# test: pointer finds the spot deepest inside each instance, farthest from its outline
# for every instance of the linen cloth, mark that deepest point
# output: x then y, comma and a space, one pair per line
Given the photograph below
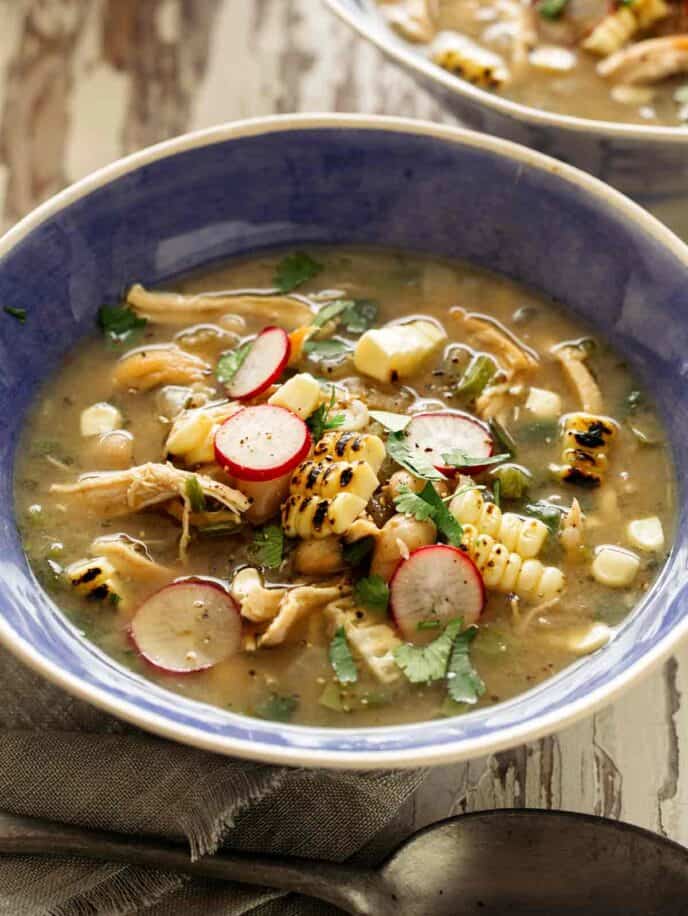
64, 760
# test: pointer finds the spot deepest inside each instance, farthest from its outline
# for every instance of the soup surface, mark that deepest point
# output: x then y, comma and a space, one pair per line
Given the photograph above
624, 61
344, 488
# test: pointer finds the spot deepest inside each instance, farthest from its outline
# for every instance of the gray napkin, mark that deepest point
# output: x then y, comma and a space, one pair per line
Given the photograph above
63, 760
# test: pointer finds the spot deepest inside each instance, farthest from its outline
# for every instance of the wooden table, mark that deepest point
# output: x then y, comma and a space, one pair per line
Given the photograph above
84, 81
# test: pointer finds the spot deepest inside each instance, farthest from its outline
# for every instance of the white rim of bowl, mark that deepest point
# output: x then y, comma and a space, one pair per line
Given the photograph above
451, 750
384, 39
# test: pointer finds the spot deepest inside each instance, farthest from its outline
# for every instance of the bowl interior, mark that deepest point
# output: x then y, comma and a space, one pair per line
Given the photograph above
241, 190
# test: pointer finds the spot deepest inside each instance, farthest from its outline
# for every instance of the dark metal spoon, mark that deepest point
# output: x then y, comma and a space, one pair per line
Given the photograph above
521, 862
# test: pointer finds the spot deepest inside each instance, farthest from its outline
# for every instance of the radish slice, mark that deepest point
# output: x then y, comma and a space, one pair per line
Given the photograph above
432, 435
264, 363
435, 584
187, 626
262, 442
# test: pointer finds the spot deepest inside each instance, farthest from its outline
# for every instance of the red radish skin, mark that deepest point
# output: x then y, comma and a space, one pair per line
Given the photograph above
187, 626
265, 362
432, 435
262, 443
435, 583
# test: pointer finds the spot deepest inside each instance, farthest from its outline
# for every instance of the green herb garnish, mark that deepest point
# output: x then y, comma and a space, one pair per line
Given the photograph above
331, 311
268, 546
12, 311
354, 554
277, 708
295, 269
464, 684
547, 513
120, 324
341, 659
424, 664
320, 420
503, 437
428, 504
360, 316
395, 422
331, 698
458, 459
399, 451
194, 494
552, 9
513, 481
480, 372
372, 593
326, 350
229, 363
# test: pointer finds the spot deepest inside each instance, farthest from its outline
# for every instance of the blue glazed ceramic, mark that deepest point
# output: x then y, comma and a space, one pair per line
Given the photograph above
330, 179
649, 163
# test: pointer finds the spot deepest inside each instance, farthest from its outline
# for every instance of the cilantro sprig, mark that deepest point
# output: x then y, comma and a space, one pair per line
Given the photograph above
320, 420
268, 546
277, 708
354, 315
14, 312
464, 684
341, 659
229, 363
120, 324
372, 592
395, 422
458, 459
398, 450
428, 504
294, 270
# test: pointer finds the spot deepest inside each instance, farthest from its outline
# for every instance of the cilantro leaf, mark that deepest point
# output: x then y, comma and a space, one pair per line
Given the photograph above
395, 422
372, 593
410, 503
194, 494
341, 659
268, 546
458, 459
423, 664
294, 269
331, 311
356, 553
326, 350
320, 420
277, 708
19, 314
547, 513
464, 684
361, 315
399, 451
120, 324
552, 9
229, 363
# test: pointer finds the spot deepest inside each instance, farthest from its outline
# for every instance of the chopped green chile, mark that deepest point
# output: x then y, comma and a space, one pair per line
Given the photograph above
295, 679
480, 372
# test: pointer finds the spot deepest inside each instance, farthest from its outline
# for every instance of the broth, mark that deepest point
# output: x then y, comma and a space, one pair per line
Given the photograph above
520, 641
586, 58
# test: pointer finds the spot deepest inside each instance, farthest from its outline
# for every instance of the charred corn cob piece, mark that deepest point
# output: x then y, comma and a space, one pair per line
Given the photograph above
329, 477
317, 517
93, 578
463, 57
507, 571
586, 440
352, 446
522, 535
618, 27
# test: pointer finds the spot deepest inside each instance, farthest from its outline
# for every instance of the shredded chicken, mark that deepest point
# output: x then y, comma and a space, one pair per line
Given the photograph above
496, 401
647, 61
177, 308
159, 365
115, 493
415, 20
257, 603
298, 603
572, 361
572, 529
513, 355
130, 557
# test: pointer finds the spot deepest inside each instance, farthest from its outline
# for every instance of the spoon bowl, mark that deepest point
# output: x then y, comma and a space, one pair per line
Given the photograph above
520, 862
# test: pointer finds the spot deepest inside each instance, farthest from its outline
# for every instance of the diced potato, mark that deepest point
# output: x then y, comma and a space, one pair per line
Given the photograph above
553, 58
301, 394
615, 567
192, 437
546, 405
646, 534
99, 419
396, 351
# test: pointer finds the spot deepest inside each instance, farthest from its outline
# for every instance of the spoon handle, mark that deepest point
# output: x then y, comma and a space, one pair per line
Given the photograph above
353, 890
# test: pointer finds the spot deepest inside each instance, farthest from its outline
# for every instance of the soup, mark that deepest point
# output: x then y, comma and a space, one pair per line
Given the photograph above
624, 61
344, 488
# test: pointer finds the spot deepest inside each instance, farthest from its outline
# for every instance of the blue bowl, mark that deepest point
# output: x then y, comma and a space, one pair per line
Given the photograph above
338, 179
645, 161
